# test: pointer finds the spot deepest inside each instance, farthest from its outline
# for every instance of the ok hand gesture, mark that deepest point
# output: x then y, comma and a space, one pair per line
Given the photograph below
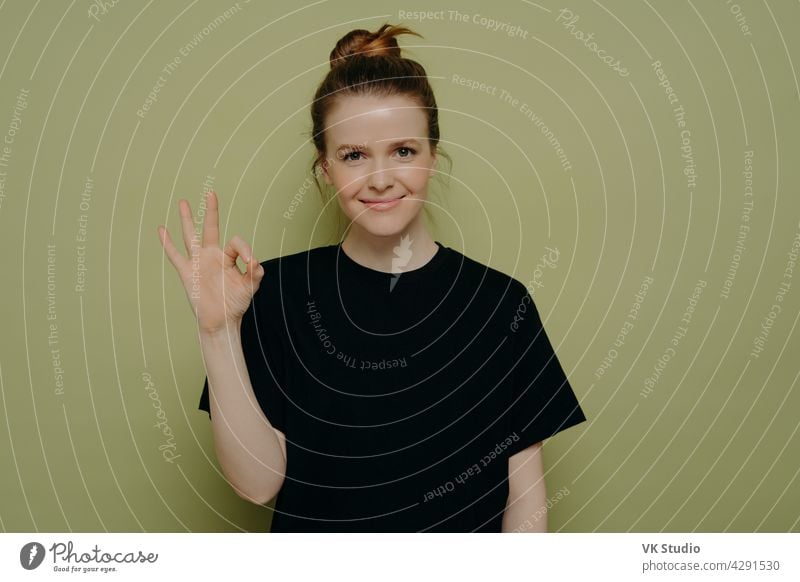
218, 291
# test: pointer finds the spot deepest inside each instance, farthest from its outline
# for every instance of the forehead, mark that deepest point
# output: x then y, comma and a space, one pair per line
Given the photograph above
374, 120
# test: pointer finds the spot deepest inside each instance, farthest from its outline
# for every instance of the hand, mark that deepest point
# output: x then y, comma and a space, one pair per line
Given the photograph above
218, 291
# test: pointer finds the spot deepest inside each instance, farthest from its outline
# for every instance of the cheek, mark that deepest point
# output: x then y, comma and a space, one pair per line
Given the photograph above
348, 181
416, 179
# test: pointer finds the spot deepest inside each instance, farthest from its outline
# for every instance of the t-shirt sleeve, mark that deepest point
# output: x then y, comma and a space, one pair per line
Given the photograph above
263, 352
543, 402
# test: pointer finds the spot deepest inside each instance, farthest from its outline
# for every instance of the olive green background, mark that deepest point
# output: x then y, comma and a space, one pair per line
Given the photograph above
713, 446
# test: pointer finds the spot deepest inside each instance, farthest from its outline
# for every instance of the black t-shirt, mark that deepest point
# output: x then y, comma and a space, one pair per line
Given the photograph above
401, 395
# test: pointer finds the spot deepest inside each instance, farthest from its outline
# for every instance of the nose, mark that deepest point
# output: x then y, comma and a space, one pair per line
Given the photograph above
380, 178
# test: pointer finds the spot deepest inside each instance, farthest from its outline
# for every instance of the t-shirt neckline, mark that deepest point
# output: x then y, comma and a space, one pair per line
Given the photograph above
345, 261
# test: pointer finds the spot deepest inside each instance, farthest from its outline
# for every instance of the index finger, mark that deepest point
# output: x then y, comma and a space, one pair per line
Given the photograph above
211, 221
173, 255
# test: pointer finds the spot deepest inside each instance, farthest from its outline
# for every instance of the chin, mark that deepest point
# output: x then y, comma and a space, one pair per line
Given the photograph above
382, 226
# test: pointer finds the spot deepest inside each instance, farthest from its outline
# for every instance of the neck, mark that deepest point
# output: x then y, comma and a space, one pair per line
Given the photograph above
405, 251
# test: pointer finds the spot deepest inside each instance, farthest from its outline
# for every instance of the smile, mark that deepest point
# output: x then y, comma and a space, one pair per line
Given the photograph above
381, 204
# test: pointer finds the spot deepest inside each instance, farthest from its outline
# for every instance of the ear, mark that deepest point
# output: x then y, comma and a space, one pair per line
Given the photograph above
432, 171
324, 166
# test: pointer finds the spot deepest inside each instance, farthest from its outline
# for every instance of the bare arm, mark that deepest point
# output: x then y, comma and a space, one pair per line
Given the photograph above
526, 509
251, 452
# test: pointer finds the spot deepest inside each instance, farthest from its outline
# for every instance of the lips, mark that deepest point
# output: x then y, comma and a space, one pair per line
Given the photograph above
381, 200
382, 204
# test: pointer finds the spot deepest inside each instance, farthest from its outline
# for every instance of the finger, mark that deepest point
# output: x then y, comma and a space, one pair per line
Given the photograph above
237, 247
173, 255
254, 274
187, 225
211, 221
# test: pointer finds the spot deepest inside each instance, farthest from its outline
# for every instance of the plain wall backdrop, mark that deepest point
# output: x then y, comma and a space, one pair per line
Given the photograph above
633, 163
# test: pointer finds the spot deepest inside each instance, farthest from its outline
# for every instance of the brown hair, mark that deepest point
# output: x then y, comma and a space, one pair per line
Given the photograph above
370, 63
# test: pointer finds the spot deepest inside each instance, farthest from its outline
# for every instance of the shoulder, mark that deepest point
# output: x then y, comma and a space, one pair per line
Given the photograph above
289, 272
491, 281
292, 264
298, 258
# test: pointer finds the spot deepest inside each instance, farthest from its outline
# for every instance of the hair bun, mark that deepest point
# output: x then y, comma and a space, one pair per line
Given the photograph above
360, 42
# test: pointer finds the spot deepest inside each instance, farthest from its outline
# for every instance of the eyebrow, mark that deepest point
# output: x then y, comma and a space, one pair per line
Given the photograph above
354, 147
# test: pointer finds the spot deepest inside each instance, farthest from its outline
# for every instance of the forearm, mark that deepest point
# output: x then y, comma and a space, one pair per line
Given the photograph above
248, 449
527, 512
526, 507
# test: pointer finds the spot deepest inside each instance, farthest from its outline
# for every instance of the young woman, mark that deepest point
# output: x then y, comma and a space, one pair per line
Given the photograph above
389, 382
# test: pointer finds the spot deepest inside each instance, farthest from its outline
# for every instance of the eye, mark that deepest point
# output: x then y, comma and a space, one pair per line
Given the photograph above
346, 156
410, 151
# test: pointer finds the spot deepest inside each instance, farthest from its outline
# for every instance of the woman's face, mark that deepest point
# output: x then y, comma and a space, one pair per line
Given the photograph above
379, 160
